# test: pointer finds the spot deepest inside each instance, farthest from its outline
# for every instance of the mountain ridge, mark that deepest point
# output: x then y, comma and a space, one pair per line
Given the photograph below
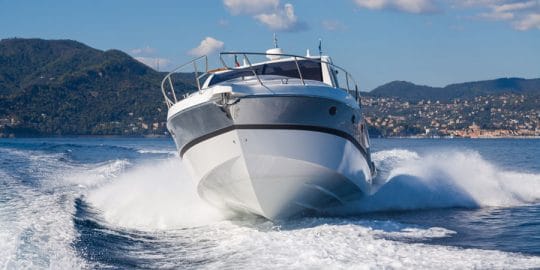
413, 92
64, 87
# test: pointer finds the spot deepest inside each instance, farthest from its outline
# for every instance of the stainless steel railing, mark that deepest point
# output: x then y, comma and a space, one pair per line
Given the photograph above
171, 99
168, 79
348, 76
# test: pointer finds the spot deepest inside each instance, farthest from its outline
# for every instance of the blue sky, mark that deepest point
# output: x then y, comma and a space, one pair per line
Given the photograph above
432, 42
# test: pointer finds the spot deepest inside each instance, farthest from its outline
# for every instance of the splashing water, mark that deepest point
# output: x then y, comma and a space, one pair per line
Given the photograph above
153, 196
71, 207
162, 196
408, 181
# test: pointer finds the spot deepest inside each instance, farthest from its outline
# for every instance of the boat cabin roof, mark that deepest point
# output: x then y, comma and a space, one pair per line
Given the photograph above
309, 70
312, 70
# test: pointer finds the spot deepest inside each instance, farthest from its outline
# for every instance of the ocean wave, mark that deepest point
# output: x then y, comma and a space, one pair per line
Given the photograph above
161, 195
352, 245
150, 215
69, 152
158, 195
96, 174
36, 228
157, 151
409, 181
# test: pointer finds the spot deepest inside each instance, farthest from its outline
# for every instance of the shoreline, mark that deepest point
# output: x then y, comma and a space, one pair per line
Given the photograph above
87, 136
470, 138
168, 136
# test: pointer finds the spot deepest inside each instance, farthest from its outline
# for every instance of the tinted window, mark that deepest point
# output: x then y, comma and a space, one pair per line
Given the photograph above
311, 70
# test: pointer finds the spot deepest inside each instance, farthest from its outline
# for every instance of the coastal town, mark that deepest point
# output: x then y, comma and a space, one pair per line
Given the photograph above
503, 115
492, 116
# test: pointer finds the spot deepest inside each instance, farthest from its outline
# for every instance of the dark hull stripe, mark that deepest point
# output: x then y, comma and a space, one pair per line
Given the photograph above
332, 131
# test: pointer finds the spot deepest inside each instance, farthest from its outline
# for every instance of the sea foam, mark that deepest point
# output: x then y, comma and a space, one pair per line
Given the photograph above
409, 181
157, 195
161, 195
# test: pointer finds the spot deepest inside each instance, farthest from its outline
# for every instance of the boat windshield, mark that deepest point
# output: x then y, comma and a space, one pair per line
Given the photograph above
311, 70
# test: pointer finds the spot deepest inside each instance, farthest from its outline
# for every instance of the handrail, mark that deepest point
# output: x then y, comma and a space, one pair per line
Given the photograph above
167, 78
252, 70
295, 57
168, 100
299, 71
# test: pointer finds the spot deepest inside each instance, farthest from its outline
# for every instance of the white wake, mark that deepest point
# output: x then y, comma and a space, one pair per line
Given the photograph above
158, 195
161, 195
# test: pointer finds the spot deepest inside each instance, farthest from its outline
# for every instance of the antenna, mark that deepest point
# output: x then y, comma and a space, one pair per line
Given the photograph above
275, 41
157, 64
320, 47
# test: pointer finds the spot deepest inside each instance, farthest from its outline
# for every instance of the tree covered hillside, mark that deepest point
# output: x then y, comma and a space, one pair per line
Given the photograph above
63, 87
414, 93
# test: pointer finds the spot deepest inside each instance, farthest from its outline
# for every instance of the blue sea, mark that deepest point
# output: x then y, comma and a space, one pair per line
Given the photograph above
121, 203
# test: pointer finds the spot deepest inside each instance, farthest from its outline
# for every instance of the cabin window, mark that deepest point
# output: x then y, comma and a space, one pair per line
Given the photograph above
311, 70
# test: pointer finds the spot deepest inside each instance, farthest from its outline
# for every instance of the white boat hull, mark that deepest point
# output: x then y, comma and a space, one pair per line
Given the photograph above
278, 173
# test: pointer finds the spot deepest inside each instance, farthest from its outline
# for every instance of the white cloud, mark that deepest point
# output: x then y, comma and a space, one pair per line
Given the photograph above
332, 25
207, 46
250, 7
268, 12
154, 62
497, 16
515, 6
521, 14
145, 50
528, 22
472, 3
372, 4
281, 19
409, 6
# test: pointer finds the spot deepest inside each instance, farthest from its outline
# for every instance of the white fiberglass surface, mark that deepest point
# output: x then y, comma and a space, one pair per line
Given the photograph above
273, 87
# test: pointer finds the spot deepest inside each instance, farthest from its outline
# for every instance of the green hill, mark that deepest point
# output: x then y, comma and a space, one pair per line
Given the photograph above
63, 87
412, 92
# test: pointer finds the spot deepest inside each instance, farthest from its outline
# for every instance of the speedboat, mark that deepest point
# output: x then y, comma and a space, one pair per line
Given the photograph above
278, 137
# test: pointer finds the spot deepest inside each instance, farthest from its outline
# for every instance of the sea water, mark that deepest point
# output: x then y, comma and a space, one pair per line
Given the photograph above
75, 203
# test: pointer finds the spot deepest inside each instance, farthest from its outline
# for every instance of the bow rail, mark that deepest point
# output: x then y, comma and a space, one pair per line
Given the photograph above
346, 82
170, 96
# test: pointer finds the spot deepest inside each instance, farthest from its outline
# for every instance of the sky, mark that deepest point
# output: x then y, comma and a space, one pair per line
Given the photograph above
429, 42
